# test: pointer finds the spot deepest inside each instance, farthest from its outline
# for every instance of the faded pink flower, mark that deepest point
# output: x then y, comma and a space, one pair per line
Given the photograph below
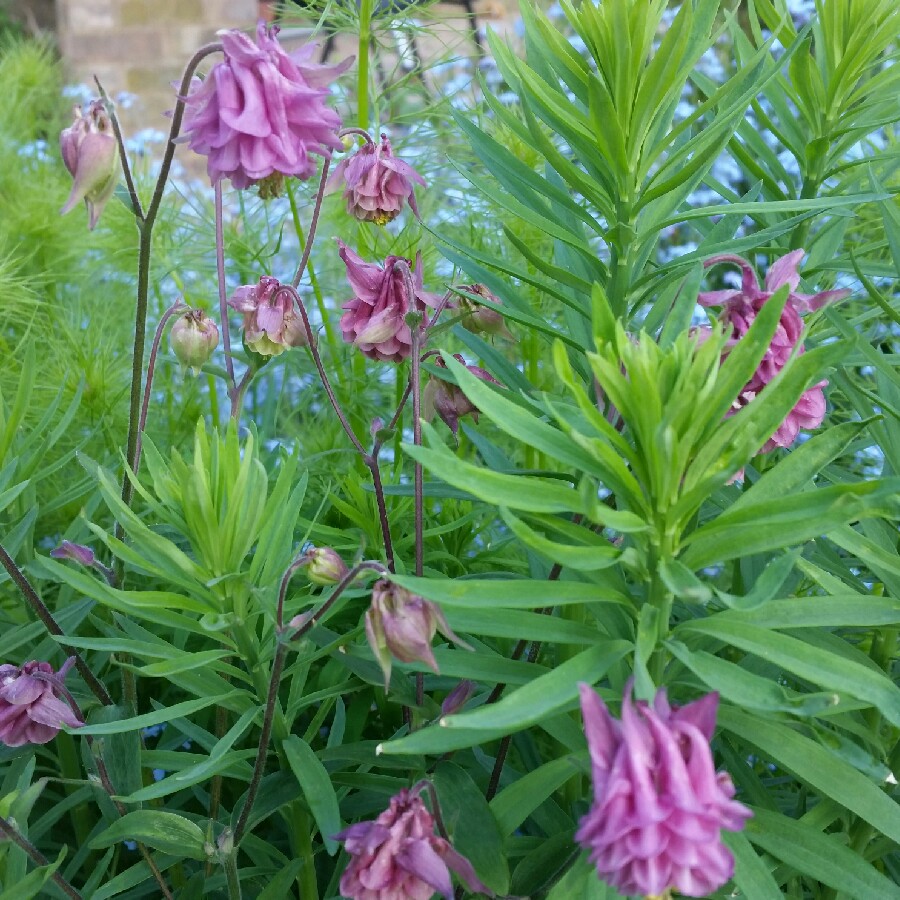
376, 183
271, 323
740, 308
399, 857
448, 400
480, 318
260, 112
193, 339
402, 624
31, 711
659, 804
91, 154
375, 319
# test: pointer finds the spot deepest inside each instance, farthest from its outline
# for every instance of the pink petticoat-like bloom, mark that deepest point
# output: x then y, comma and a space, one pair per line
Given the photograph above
375, 319
30, 709
271, 323
376, 183
91, 154
401, 624
399, 857
659, 805
740, 308
448, 400
260, 112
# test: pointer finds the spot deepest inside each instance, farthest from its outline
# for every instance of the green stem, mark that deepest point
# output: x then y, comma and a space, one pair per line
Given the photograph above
70, 769
362, 83
232, 878
306, 879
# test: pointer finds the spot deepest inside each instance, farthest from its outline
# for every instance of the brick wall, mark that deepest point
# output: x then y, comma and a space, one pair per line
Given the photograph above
141, 46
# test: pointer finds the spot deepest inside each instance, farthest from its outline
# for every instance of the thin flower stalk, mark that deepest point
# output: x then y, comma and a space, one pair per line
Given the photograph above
52, 626
220, 280
9, 831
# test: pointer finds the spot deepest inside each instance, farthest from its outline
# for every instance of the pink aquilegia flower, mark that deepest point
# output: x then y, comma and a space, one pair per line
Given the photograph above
401, 624
448, 400
31, 711
91, 154
659, 804
741, 306
376, 183
375, 319
399, 857
271, 323
261, 112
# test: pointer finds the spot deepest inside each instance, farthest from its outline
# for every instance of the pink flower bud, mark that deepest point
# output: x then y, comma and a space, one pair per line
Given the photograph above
193, 339
399, 857
448, 400
659, 804
31, 711
84, 556
402, 624
91, 154
376, 183
325, 566
480, 318
458, 697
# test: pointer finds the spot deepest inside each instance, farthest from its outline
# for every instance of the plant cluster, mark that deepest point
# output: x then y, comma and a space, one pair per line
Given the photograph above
626, 628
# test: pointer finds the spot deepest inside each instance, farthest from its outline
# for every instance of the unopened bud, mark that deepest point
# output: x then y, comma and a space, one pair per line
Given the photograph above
480, 318
193, 339
458, 697
91, 154
325, 566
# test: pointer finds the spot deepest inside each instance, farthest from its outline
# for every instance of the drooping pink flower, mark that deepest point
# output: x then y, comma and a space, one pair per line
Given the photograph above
741, 306
91, 154
448, 400
375, 319
399, 857
401, 624
260, 112
31, 711
376, 183
659, 804
271, 323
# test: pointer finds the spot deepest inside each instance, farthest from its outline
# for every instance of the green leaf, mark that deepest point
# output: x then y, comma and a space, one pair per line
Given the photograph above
317, 789
160, 830
514, 804
820, 856
812, 763
751, 873
471, 825
506, 593
166, 714
789, 521
844, 676
542, 697
33, 883
581, 883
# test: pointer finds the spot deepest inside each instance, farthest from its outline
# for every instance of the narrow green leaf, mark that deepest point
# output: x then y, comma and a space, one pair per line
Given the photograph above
160, 830
812, 763
166, 714
317, 789
820, 856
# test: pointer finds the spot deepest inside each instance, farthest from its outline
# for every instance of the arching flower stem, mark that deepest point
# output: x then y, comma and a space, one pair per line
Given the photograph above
8, 830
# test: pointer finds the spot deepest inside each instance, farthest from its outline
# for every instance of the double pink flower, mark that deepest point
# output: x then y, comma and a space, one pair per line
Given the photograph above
741, 306
659, 804
261, 111
31, 711
375, 319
